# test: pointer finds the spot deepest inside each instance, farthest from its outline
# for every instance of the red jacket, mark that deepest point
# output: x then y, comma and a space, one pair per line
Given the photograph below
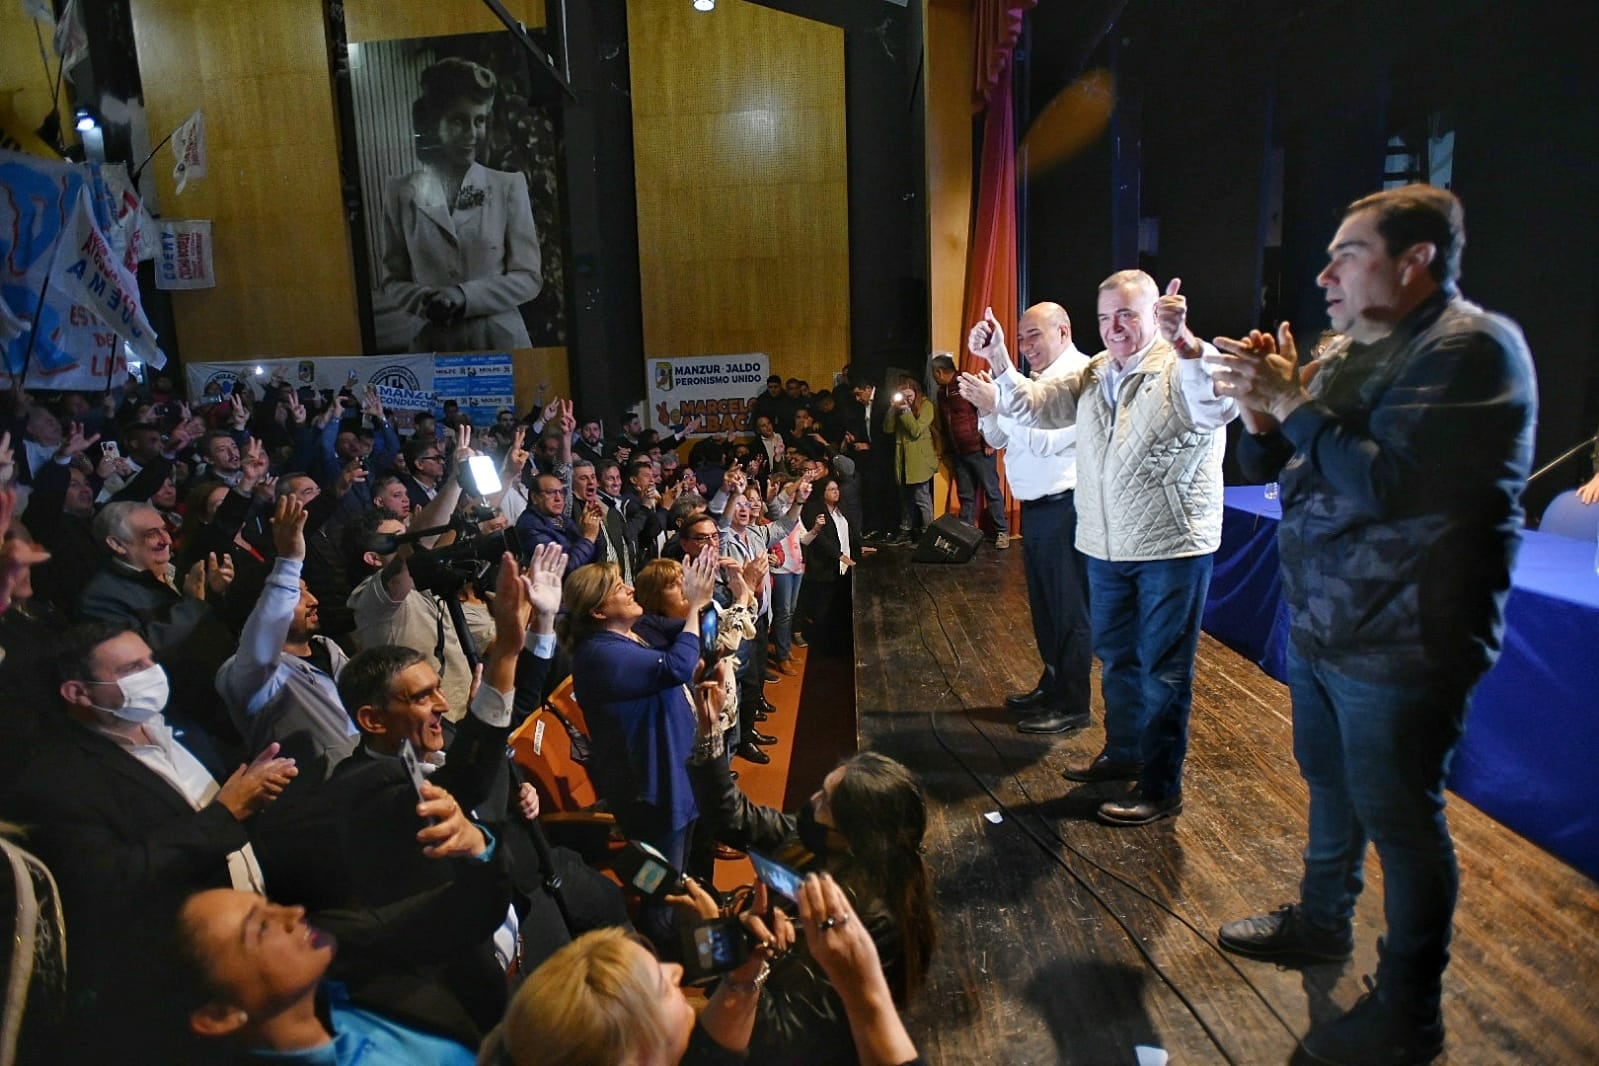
960, 420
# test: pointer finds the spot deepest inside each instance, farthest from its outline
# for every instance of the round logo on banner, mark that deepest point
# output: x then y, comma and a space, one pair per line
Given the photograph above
220, 376
663, 377
396, 376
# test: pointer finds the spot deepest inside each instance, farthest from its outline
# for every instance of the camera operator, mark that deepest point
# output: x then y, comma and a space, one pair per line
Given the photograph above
389, 605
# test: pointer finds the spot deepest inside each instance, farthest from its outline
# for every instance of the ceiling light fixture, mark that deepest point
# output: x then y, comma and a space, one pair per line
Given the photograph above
704, 5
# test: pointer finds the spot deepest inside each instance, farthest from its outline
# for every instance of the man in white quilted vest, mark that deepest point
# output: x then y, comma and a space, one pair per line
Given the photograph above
1150, 441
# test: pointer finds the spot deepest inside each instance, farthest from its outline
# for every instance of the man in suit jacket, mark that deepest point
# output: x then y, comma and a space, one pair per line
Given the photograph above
137, 586
612, 545
346, 850
130, 822
545, 522
633, 517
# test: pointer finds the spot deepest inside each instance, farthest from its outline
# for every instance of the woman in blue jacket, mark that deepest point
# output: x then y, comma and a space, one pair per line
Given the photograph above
637, 701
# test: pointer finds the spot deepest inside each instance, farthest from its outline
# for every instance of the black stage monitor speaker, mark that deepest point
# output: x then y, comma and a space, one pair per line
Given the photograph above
948, 540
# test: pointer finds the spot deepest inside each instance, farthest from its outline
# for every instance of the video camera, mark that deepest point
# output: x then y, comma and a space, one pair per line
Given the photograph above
445, 570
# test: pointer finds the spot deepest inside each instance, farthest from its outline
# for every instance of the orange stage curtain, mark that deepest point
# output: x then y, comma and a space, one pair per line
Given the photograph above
991, 261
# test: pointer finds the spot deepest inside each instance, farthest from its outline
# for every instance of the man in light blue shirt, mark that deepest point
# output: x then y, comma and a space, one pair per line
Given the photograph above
257, 971
281, 685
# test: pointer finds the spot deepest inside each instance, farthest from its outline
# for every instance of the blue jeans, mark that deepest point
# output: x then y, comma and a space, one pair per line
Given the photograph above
1375, 755
915, 506
1146, 629
972, 471
785, 594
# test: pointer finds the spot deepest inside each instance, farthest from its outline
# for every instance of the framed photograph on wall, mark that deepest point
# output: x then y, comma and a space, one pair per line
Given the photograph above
458, 164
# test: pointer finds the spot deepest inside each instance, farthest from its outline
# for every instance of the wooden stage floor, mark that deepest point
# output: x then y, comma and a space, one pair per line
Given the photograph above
1066, 941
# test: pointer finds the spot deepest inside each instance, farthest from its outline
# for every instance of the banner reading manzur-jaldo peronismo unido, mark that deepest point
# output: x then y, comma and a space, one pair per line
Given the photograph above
718, 388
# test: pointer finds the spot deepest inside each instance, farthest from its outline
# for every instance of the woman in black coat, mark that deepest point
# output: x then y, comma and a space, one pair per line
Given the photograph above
831, 544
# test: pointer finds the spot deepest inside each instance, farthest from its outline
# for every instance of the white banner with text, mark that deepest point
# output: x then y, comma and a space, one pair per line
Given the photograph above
718, 388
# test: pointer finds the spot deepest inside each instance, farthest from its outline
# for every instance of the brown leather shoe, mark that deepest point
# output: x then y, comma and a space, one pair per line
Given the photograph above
1103, 768
1135, 810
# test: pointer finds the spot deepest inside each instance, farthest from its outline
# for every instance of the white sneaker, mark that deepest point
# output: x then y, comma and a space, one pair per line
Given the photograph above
1001, 541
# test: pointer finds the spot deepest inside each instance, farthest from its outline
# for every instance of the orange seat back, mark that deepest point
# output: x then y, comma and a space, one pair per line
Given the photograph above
543, 747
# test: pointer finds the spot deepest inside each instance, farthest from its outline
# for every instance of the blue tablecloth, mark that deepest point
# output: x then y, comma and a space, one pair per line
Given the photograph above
1530, 755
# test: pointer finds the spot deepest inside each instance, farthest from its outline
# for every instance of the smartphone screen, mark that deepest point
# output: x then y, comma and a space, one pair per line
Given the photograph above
413, 766
710, 632
779, 878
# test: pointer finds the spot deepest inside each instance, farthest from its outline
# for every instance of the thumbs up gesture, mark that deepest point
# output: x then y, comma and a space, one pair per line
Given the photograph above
987, 341
1171, 318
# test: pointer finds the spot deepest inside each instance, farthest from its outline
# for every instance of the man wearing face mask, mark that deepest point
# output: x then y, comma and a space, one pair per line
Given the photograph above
130, 822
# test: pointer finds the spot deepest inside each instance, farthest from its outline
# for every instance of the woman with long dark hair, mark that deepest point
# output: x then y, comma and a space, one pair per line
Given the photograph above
831, 544
864, 826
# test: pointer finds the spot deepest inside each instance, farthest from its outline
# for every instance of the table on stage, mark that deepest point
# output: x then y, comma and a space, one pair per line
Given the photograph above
1530, 754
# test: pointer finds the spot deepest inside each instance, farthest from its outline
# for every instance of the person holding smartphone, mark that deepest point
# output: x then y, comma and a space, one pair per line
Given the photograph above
864, 827
637, 703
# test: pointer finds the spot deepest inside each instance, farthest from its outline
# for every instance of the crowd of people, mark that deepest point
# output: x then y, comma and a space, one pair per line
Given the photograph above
263, 652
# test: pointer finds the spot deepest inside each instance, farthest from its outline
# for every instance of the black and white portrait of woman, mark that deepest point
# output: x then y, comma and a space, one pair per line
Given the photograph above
458, 253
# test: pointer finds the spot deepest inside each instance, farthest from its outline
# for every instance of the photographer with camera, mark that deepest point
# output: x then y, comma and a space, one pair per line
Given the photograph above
391, 606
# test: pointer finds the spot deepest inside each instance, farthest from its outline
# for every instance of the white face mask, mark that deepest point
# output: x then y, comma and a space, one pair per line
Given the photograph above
144, 695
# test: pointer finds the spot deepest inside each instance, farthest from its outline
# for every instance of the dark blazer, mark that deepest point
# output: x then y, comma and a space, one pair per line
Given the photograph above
419, 495
126, 849
414, 933
822, 553
188, 638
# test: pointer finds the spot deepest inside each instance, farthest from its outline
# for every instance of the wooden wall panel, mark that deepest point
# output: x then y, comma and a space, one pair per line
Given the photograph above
949, 166
390, 20
284, 281
23, 75
742, 183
